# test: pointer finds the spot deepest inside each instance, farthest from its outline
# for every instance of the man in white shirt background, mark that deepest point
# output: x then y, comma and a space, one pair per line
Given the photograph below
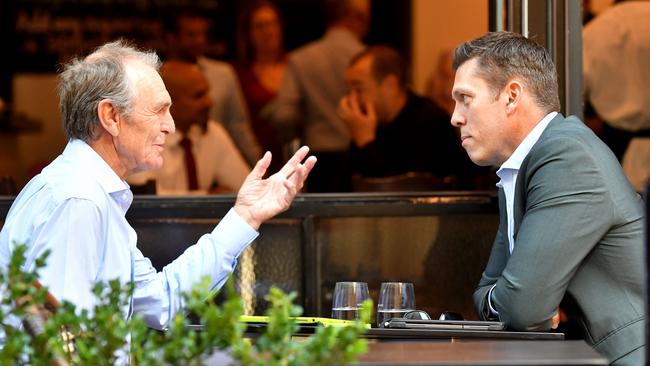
200, 156
186, 32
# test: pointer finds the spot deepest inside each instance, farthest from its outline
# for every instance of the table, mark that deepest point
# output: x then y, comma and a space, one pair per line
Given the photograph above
502, 352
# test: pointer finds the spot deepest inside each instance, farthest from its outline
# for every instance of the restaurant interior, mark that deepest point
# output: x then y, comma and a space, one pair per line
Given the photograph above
436, 236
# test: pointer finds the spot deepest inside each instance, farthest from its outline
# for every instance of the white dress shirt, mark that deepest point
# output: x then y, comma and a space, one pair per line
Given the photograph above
508, 174
216, 156
76, 208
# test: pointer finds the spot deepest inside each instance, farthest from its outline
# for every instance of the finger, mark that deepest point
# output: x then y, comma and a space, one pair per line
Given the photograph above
555, 321
290, 166
302, 171
370, 111
260, 167
309, 163
343, 109
292, 190
354, 105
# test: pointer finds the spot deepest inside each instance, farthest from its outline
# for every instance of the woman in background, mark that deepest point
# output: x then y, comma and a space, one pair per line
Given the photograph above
261, 65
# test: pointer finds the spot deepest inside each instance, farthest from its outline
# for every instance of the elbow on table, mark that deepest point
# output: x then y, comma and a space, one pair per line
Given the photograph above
526, 317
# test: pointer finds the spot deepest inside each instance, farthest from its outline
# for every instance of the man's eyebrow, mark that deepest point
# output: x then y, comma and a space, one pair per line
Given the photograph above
460, 90
163, 104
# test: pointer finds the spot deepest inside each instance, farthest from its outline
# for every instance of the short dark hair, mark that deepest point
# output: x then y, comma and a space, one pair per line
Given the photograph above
504, 55
172, 17
385, 61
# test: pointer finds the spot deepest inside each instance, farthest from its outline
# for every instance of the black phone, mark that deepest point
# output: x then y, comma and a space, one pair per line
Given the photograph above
444, 324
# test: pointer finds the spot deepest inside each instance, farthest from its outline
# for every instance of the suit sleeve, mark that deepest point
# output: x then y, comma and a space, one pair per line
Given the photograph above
567, 211
495, 266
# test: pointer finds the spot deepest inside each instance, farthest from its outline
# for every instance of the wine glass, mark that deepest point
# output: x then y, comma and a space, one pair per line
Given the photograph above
348, 297
395, 300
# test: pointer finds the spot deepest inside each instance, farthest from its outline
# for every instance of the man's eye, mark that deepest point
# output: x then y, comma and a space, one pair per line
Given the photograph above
465, 99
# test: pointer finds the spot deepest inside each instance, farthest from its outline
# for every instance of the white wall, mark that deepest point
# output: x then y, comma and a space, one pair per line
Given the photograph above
442, 24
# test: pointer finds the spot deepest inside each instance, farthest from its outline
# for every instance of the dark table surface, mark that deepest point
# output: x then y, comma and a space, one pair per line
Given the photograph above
488, 352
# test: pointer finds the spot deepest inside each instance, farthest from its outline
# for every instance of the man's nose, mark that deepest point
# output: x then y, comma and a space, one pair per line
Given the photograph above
168, 125
457, 119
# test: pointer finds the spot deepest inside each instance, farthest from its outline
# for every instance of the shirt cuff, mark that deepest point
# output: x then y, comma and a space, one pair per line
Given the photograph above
234, 233
493, 312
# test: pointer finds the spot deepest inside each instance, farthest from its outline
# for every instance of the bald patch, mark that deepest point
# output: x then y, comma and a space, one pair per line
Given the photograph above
181, 76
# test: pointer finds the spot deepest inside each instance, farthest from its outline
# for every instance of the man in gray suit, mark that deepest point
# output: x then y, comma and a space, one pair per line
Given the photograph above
313, 84
570, 241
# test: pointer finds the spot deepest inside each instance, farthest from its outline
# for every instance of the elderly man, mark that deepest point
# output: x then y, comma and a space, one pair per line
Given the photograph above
393, 130
571, 231
116, 113
200, 156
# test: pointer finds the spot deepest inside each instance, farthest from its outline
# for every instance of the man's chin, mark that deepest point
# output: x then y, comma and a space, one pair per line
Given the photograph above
478, 160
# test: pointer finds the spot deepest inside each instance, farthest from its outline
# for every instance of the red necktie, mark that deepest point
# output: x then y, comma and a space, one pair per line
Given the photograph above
190, 164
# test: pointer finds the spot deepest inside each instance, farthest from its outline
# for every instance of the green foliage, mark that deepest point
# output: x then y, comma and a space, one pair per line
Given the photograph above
104, 337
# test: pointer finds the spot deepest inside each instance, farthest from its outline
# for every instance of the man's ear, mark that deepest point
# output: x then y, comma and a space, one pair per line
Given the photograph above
391, 81
514, 90
109, 117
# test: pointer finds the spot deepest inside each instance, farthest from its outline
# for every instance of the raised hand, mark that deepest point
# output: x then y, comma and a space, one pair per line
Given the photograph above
260, 199
361, 122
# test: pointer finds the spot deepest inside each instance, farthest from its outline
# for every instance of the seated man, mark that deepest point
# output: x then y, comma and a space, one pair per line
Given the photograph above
201, 156
570, 240
186, 32
115, 112
393, 130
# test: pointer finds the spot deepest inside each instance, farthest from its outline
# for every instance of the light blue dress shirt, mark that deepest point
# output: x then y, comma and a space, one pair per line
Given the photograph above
76, 208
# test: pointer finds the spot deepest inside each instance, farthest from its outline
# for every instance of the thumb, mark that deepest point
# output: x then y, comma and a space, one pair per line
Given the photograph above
260, 167
370, 111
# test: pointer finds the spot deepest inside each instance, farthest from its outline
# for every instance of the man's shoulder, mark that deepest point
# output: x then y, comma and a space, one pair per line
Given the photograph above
569, 128
307, 52
63, 185
215, 67
216, 131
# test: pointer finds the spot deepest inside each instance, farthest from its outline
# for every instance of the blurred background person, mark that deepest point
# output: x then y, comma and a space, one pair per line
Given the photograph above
186, 32
311, 89
442, 81
260, 69
199, 157
616, 65
394, 131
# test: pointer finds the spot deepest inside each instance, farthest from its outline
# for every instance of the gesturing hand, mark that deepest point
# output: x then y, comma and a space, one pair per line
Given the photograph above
260, 199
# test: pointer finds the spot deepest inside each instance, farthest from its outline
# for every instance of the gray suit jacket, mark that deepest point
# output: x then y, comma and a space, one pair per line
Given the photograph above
578, 234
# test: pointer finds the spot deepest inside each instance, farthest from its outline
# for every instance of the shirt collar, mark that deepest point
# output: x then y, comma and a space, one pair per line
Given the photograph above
95, 165
517, 157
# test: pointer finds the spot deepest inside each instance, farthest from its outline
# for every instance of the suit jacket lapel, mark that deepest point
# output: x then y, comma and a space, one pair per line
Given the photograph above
521, 186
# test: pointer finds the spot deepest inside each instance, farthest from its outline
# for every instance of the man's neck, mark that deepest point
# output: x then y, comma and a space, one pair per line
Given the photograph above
104, 147
396, 105
268, 58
